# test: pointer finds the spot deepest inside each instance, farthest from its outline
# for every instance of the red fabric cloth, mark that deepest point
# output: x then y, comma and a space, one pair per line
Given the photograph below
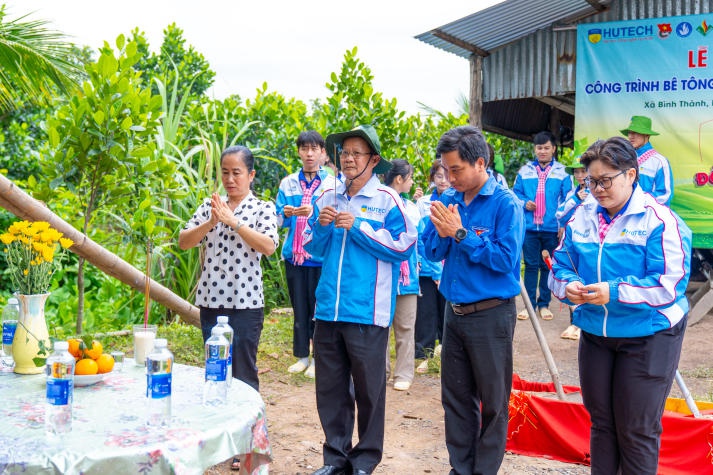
546, 427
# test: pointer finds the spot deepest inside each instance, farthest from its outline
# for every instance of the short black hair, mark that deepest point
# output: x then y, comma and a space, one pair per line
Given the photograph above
543, 137
468, 141
616, 152
310, 137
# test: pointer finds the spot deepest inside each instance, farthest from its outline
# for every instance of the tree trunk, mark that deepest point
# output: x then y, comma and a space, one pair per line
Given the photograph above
24, 206
80, 294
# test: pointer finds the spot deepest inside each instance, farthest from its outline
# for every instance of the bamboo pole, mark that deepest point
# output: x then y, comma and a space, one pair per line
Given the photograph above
26, 207
542, 340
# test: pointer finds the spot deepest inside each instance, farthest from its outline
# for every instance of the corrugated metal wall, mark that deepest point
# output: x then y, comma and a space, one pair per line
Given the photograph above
543, 64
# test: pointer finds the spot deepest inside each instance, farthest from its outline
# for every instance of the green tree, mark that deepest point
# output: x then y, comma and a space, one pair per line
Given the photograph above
103, 152
33, 62
183, 71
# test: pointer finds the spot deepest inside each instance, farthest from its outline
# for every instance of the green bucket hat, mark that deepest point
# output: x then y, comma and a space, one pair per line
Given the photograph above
570, 169
334, 143
639, 124
580, 146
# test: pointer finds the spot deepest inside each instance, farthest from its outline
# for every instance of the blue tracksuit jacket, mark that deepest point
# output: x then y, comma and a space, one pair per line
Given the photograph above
360, 267
645, 257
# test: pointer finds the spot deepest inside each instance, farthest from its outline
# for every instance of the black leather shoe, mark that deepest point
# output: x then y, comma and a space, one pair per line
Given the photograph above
330, 470
358, 471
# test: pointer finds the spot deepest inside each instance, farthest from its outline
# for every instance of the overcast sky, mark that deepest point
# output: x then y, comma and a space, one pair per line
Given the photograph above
293, 45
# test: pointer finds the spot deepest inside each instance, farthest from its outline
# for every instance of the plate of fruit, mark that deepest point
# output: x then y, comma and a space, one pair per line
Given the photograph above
92, 364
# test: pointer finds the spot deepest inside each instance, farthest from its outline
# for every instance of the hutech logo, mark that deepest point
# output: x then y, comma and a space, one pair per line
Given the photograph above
372, 209
595, 35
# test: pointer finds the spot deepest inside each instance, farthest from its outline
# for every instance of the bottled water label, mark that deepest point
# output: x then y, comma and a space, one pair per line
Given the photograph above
216, 369
8, 331
59, 391
158, 386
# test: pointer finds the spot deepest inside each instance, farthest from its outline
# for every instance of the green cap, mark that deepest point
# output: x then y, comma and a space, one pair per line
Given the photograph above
639, 124
498, 164
334, 143
570, 169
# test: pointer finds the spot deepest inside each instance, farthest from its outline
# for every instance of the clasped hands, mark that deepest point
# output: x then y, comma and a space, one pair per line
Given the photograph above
221, 212
446, 220
341, 219
596, 294
304, 210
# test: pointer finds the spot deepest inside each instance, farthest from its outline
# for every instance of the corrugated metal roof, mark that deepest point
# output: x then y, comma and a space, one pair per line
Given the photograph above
529, 79
487, 30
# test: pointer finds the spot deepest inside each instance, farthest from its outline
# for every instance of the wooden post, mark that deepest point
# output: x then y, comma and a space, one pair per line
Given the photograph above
475, 114
26, 207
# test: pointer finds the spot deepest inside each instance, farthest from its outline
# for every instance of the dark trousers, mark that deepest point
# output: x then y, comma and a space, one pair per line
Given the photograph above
476, 378
247, 327
625, 382
429, 317
346, 353
536, 270
302, 284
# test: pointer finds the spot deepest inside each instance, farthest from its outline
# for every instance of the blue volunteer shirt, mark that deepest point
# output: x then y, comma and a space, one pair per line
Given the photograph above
486, 264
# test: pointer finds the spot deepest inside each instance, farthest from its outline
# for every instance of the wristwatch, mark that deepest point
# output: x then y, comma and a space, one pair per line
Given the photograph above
239, 225
461, 233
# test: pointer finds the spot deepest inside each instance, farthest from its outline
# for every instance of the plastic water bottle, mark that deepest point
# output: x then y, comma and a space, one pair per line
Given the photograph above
215, 389
10, 316
159, 366
228, 334
60, 389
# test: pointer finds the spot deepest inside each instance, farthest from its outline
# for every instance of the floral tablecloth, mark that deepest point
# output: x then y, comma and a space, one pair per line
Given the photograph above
109, 434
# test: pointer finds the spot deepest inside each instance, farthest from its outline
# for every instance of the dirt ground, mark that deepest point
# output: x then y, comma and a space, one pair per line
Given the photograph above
414, 440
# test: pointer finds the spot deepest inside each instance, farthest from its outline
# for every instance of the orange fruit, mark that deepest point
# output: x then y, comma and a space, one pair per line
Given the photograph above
105, 363
75, 347
86, 366
95, 351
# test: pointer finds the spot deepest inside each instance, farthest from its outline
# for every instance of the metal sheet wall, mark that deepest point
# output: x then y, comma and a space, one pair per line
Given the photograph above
543, 63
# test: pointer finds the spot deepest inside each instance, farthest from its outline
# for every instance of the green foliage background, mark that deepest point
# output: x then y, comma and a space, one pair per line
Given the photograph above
130, 154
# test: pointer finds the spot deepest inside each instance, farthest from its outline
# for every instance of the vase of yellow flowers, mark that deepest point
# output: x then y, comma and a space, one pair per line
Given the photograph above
33, 251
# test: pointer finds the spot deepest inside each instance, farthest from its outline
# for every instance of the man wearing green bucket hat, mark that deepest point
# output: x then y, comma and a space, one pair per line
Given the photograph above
360, 232
655, 175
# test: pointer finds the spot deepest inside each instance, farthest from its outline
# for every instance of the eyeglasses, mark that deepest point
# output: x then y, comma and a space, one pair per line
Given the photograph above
605, 182
344, 154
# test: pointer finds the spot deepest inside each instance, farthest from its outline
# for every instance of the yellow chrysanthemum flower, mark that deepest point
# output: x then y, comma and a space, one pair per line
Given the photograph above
48, 254
66, 243
53, 235
18, 227
41, 226
7, 238
26, 271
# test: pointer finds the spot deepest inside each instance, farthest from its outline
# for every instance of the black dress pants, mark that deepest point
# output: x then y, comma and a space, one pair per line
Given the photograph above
476, 379
347, 353
247, 327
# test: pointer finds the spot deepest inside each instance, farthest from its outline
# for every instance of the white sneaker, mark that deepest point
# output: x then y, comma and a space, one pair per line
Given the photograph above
309, 373
423, 367
297, 367
402, 385
437, 350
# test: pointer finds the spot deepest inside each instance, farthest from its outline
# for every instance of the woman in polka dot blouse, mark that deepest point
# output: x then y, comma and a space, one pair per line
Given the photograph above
235, 232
